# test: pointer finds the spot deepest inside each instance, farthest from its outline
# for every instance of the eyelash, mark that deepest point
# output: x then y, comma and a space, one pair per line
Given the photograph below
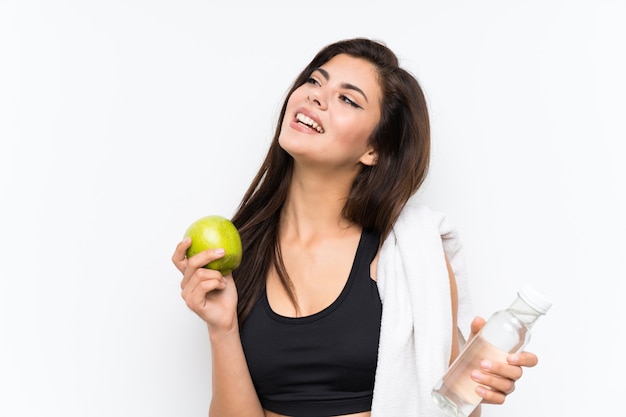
350, 102
342, 97
312, 80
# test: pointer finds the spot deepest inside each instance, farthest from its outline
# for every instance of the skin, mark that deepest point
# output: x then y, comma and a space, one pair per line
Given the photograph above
318, 244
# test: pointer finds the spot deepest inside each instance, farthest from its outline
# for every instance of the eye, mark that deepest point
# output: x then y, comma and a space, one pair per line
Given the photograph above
312, 80
349, 101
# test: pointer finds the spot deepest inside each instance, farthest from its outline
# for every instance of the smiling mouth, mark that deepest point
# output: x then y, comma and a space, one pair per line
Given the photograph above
307, 121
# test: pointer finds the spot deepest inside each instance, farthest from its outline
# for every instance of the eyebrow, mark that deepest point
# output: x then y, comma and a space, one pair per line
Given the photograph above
348, 86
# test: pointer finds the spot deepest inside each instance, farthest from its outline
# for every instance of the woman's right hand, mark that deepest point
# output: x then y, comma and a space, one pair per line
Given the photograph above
210, 295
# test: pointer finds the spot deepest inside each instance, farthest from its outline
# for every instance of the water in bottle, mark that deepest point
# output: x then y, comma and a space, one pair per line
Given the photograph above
507, 331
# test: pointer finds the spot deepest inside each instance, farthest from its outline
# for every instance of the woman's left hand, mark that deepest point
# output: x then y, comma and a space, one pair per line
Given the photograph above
497, 379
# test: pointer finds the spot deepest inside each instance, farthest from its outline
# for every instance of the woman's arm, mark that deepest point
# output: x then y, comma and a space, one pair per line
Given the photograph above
454, 295
496, 379
233, 392
214, 299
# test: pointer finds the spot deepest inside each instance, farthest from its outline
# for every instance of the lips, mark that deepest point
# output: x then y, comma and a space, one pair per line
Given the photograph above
308, 121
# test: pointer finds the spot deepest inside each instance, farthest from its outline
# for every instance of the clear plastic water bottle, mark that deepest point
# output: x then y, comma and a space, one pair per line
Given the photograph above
506, 331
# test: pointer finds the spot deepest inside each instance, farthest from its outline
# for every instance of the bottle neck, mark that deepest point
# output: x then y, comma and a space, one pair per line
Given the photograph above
524, 312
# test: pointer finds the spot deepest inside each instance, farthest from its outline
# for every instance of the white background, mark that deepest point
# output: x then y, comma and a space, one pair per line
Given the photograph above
121, 122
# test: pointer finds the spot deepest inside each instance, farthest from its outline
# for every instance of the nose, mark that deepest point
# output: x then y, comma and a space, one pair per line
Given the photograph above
316, 97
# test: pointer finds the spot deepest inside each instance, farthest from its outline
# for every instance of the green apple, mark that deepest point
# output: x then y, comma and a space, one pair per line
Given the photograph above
215, 232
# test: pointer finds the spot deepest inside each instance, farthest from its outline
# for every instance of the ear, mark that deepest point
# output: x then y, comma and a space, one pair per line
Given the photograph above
369, 158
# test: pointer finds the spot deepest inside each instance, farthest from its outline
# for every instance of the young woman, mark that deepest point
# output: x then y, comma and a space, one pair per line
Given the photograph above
330, 313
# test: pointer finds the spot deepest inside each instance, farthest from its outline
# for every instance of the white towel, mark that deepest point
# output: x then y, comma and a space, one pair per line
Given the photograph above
416, 326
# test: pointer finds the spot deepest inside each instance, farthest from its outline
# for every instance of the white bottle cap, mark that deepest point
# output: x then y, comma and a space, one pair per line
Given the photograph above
535, 298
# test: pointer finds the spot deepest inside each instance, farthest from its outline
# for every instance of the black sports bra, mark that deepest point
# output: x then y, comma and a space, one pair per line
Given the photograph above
323, 364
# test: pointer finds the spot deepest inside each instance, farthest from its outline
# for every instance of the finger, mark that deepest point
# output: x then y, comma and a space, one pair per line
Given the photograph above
476, 325
179, 258
490, 396
196, 297
203, 258
198, 261
199, 278
501, 369
526, 359
494, 382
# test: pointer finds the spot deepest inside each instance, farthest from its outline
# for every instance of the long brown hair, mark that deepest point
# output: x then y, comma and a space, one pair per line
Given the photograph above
379, 192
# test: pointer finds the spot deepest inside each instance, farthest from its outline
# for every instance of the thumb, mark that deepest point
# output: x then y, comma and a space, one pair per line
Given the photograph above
476, 325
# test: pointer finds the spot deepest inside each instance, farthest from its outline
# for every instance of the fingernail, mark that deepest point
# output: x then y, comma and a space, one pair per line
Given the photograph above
219, 251
480, 391
477, 375
486, 365
513, 359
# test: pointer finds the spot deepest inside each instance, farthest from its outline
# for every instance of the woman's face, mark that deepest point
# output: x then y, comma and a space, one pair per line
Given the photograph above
330, 118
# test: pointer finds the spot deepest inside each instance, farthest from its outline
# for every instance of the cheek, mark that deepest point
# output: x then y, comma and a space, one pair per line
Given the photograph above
355, 143
358, 136
294, 100
297, 96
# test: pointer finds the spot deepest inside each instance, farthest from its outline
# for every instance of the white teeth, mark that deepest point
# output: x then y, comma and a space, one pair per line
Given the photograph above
309, 122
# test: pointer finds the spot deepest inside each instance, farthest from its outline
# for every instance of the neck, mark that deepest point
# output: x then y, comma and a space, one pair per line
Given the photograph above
315, 202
